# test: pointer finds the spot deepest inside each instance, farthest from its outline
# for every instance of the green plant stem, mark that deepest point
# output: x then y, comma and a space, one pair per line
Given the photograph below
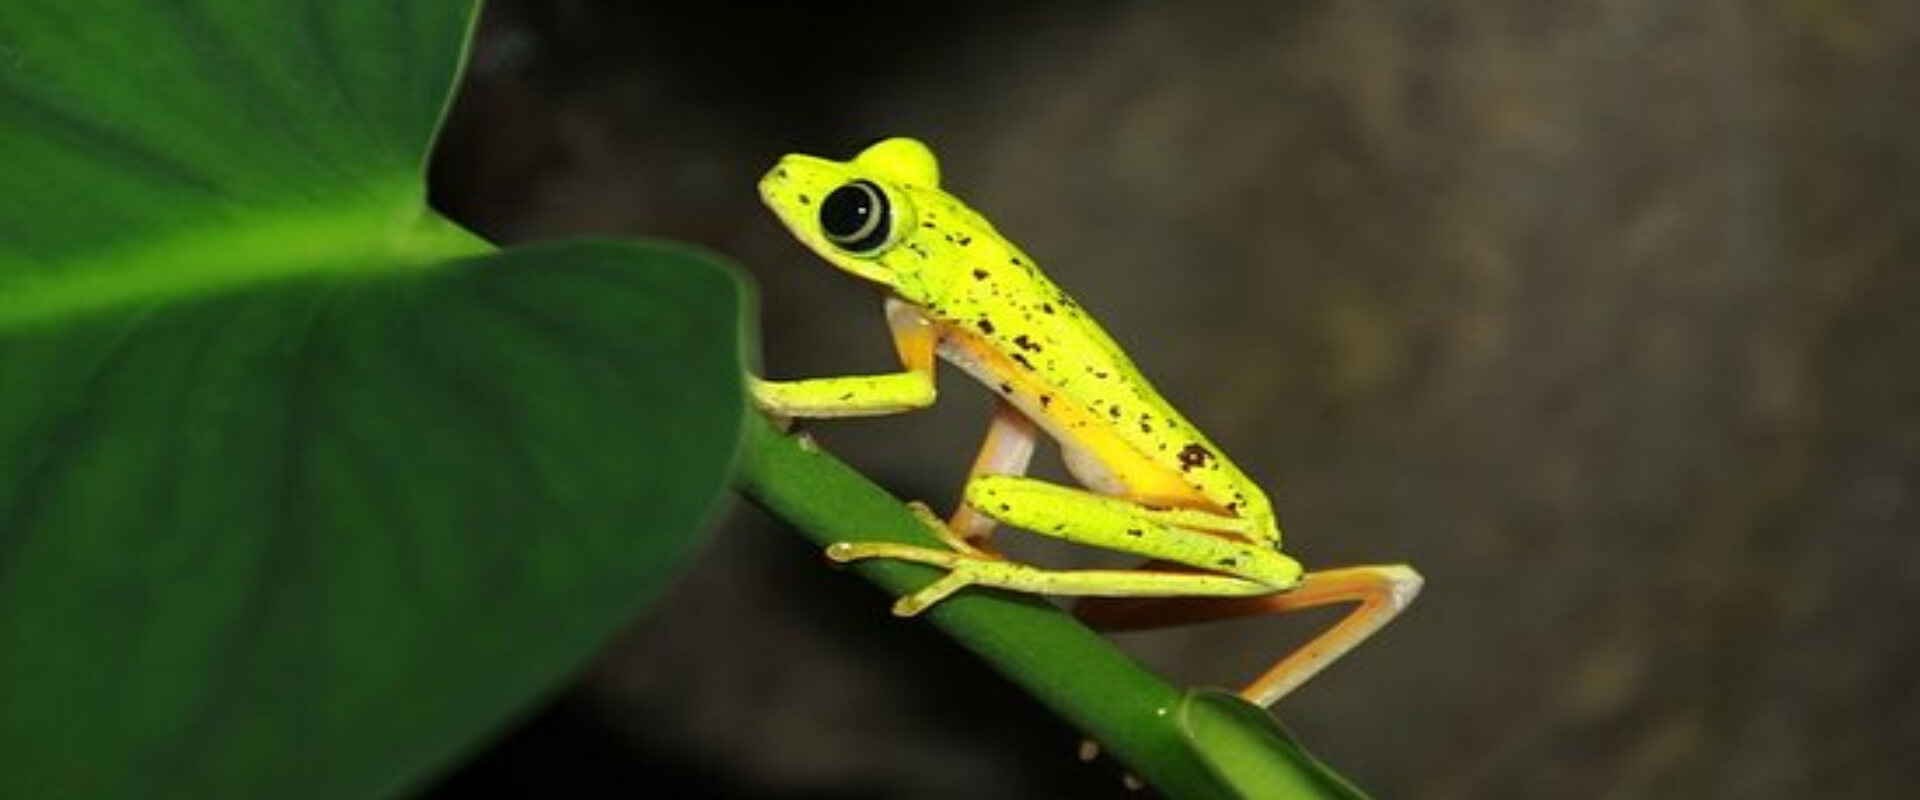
1073, 670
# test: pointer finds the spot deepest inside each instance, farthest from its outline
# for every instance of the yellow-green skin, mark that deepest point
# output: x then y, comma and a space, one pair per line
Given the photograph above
1160, 488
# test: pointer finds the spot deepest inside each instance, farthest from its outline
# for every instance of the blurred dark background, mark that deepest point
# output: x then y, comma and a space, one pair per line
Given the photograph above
1602, 314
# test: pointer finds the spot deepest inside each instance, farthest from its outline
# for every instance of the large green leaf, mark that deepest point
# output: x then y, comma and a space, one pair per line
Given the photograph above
302, 488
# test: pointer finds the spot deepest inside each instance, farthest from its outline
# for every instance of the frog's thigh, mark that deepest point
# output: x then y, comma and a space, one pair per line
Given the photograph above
1113, 523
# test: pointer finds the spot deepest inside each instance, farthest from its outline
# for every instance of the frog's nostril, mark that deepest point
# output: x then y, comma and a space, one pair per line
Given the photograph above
774, 183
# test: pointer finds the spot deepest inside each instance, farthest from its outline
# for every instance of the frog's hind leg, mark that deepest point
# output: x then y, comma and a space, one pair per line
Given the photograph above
1006, 450
1381, 592
1107, 522
965, 570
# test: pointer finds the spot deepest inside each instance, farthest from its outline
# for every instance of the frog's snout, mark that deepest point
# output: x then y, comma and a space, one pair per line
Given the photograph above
773, 184
784, 192
790, 185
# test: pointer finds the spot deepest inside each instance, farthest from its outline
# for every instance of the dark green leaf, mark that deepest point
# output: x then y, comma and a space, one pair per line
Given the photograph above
301, 489
151, 144
306, 539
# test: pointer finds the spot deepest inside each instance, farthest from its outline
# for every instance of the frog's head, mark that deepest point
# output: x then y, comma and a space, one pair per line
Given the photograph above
855, 213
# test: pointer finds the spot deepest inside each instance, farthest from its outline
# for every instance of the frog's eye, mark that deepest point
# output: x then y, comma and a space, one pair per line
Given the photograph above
855, 217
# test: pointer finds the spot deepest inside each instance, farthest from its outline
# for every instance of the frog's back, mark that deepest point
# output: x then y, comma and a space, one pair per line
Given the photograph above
1006, 323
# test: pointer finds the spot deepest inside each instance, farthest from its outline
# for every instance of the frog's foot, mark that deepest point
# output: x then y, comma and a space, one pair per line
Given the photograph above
963, 569
939, 528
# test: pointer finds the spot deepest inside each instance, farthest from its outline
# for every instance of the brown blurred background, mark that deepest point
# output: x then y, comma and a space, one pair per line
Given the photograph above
1605, 315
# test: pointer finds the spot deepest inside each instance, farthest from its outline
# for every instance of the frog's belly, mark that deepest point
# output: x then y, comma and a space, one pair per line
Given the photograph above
1095, 455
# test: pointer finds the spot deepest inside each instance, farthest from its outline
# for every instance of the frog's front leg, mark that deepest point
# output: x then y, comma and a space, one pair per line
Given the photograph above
910, 389
1235, 567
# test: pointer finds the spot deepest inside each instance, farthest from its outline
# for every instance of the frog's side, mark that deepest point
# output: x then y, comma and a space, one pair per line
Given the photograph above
960, 290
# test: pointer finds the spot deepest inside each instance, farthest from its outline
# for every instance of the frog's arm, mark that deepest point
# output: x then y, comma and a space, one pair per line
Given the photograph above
862, 395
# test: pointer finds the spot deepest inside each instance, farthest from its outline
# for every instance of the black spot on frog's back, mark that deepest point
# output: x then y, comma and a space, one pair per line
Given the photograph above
1194, 455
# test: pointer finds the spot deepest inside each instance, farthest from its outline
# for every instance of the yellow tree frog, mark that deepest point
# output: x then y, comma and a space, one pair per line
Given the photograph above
1154, 486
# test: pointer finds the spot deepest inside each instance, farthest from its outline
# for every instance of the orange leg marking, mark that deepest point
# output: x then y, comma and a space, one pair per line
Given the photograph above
1381, 591
1007, 450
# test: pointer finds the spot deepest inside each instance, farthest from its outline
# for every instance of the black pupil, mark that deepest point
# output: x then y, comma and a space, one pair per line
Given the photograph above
854, 216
